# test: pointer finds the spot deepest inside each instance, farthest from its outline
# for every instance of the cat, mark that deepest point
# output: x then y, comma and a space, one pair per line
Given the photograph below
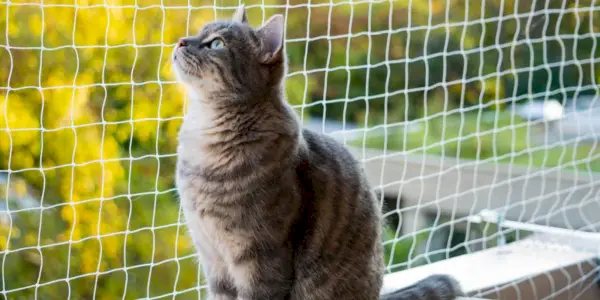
275, 211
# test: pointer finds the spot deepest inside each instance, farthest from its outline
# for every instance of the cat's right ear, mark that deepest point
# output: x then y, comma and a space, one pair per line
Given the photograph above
240, 14
271, 36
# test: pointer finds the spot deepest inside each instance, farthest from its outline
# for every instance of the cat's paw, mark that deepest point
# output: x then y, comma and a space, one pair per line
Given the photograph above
222, 297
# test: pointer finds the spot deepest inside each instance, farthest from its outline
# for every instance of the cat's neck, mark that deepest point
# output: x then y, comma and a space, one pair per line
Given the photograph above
209, 120
213, 133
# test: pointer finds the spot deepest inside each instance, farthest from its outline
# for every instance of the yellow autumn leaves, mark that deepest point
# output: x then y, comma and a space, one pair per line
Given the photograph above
87, 108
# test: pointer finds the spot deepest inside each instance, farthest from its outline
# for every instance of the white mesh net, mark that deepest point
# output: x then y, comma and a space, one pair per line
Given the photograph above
454, 106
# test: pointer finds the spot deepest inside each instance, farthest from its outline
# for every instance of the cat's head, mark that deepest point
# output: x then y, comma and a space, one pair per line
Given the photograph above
231, 57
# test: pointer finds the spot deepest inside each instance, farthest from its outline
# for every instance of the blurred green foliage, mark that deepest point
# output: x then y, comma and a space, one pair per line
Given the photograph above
502, 138
89, 112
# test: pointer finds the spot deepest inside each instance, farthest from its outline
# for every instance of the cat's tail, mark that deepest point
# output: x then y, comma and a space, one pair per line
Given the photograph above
435, 287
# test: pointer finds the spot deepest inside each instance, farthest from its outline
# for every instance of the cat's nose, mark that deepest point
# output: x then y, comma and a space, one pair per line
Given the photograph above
181, 43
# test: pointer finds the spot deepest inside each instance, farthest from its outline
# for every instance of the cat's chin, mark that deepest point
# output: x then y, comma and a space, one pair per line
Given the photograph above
187, 77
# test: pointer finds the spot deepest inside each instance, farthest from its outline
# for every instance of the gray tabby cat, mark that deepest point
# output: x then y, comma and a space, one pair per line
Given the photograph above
275, 211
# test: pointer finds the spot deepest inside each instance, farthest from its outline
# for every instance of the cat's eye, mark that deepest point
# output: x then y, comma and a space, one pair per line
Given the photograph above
216, 44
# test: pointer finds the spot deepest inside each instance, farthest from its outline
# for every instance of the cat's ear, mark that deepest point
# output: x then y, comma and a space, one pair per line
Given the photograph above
271, 36
240, 14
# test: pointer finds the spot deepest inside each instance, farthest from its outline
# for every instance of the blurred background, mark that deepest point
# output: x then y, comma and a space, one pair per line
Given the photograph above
89, 114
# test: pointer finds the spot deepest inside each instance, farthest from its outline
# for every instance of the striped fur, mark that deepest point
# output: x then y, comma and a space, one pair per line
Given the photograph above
275, 211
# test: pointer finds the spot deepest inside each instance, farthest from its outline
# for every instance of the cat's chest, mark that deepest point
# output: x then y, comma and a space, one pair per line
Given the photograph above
207, 224
205, 217
204, 234
191, 184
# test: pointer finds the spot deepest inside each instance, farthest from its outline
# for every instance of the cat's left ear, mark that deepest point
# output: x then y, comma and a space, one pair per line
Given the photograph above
240, 14
271, 36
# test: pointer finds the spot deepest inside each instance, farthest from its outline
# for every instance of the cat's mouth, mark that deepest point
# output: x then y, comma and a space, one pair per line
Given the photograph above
185, 64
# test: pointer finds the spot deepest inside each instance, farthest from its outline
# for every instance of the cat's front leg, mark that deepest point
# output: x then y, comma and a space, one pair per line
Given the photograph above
262, 275
220, 284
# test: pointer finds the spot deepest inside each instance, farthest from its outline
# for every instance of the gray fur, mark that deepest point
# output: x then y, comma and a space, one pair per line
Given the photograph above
275, 211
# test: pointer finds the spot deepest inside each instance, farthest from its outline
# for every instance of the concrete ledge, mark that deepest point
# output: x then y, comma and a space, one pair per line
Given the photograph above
538, 267
461, 187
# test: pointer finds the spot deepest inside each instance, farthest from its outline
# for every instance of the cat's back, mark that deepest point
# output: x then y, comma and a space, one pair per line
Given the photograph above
337, 178
339, 187
336, 174
341, 225
325, 150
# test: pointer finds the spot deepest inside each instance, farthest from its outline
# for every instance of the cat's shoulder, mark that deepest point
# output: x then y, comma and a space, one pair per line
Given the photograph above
321, 146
